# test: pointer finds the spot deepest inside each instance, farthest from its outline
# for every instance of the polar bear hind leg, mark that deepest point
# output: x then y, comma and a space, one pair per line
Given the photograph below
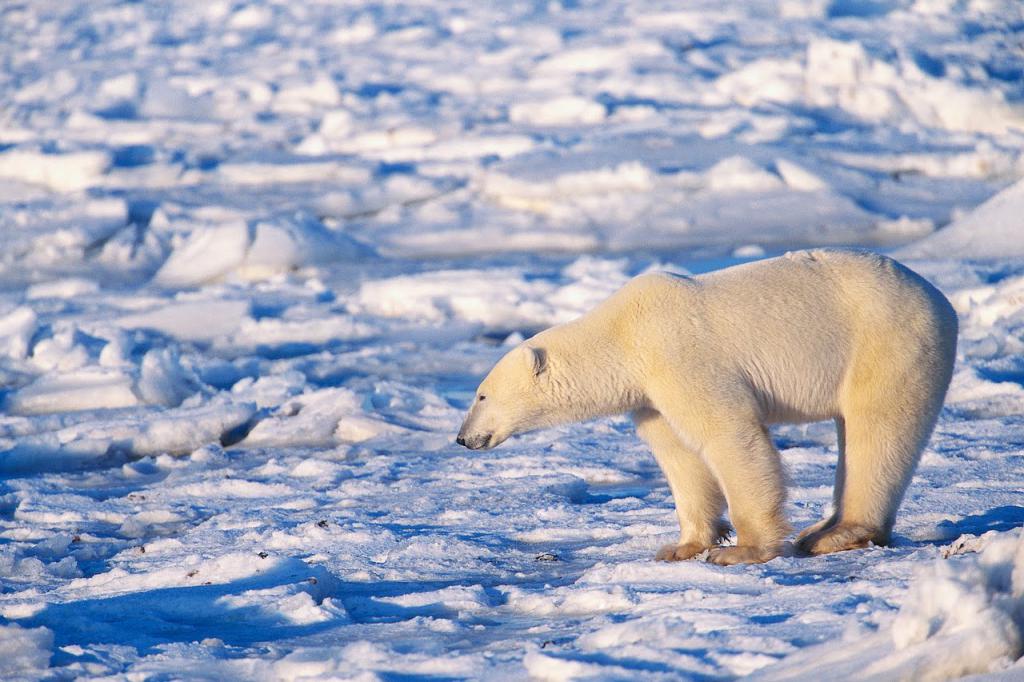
888, 416
882, 451
699, 500
837, 494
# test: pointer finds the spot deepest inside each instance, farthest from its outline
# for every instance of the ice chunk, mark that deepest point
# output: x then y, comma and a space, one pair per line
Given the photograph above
358, 429
189, 571
61, 352
799, 178
70, 384
740, 174
16, 330
57, 234
461, 600
302, 97
24, 652
162, 379
308, 419
251, 17
844, 75
165, 99
59, 172
958, 619
560, 111
176, 432
207, 255
90, 388
572, 601
336, 124
62, 288
283, 246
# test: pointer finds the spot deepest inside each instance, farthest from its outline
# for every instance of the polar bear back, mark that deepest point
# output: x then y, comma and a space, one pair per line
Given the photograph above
794, 332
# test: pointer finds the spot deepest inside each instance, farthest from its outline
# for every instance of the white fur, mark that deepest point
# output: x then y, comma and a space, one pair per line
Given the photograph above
705, 363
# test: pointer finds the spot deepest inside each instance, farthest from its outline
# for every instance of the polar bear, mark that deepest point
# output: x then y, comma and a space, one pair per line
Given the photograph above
705, 363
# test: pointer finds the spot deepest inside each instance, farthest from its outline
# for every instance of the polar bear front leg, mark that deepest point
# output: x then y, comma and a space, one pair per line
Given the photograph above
749, 470
699, 500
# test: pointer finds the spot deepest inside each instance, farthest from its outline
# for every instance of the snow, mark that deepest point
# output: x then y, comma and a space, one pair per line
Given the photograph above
58, 172
192, 320
24, 652
560, 111
954, 621
993, 230
257, 255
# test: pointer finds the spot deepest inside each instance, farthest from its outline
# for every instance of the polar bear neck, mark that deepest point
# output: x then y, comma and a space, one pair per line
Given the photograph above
587, 375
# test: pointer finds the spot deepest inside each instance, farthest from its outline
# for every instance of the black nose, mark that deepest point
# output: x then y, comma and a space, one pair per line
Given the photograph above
460, 440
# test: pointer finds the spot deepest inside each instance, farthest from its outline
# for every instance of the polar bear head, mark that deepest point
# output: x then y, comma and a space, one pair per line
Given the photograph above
512, 399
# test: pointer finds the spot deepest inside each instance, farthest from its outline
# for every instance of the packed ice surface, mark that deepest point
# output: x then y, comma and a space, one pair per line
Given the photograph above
257, 255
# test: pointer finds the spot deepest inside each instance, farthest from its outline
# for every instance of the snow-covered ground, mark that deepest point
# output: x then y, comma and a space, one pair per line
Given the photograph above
256, 257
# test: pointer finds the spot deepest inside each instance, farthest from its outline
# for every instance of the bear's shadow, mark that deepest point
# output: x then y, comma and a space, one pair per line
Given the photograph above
999, 519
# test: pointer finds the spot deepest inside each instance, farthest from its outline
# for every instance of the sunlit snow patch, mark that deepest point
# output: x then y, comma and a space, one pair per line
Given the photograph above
213, 253
961, 616
993, 230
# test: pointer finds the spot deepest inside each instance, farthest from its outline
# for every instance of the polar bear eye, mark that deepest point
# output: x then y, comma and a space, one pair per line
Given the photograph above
483, 398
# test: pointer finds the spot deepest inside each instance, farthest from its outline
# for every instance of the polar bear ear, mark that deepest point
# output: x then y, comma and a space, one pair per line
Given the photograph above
538, 359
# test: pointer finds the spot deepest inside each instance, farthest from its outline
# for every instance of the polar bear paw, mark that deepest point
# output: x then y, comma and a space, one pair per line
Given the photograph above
679, 552
838, 538
745, 554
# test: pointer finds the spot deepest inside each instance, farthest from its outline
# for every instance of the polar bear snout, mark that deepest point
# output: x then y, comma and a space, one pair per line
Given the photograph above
478, 430
477, 441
